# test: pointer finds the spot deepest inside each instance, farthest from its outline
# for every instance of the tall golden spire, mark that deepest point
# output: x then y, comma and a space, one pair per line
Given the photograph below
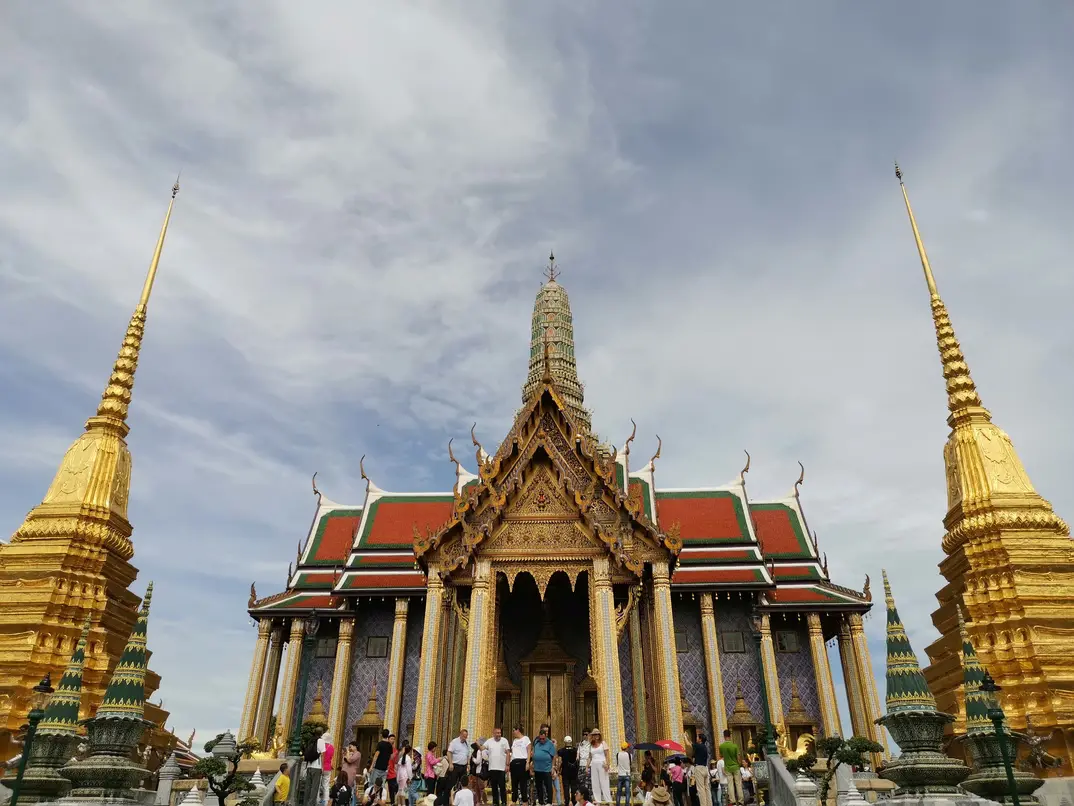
112, 411
70, 558
961, 391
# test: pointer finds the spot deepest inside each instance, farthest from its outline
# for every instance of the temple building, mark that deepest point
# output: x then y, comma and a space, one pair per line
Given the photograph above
558, 582
1009, 563
69, 562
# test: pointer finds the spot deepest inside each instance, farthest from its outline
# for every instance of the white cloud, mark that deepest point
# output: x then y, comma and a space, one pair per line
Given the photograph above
370, 191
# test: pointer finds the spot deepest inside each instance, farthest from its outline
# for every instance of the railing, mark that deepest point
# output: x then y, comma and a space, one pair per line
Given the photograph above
781, 790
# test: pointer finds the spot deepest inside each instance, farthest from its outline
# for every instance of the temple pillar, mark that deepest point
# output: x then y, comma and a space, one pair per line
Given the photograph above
870, 697
285, 715
257, 676
637, 665
771, 676
393, 694
822, 671
606, 654
341, 681
852, 682
268, 690
717, 707
666, 658
431, 659
477, 668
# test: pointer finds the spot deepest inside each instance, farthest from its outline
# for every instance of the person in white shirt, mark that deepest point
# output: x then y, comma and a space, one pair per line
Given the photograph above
463, 796
497, 749
622, 770
584, 754
458, 751
521, 749
721, 778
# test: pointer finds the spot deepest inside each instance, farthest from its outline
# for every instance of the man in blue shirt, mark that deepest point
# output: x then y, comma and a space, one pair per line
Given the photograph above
544, 753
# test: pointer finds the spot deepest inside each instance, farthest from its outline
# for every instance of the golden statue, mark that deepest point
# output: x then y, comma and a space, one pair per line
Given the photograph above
805, 745
276, 746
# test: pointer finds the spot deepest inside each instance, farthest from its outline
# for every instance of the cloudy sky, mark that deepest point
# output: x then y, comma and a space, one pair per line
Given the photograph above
369, 194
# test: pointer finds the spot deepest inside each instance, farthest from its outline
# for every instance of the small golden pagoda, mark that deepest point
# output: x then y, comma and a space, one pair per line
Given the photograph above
1009, 562
69, 561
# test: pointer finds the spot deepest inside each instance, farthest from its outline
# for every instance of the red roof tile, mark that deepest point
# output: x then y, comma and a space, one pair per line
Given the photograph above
334, 536
797, 572
357, 582
716, 576
308, 579
792, 595
710, 556
703, 516
392, 519
778, 531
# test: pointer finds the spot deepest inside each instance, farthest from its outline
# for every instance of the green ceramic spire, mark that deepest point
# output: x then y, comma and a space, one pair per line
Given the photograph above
977, 702
61, 713
125, 696
907, 690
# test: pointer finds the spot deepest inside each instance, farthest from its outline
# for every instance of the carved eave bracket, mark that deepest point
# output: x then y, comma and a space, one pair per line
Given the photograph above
623, 611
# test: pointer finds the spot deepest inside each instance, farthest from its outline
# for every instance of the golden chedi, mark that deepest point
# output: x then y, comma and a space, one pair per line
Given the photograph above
1009, 562
69, 561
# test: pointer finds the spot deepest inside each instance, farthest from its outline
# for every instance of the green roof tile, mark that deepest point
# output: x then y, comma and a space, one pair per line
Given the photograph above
907, 689
61, 712
125, 696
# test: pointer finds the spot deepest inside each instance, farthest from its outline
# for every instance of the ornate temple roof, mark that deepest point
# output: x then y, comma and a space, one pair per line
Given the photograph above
728, 542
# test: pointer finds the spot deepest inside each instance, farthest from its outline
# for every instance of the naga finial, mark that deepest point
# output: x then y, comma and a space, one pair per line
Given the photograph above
865, 592
458, 467
290, 573
480, 450
659, 447
316, 492
816, 545
825, 566
633, 433
298, 554
801, 478
746, 469
361, 468
253, 595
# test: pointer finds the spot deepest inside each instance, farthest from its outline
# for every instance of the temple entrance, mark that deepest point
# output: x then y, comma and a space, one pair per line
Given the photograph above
545, 654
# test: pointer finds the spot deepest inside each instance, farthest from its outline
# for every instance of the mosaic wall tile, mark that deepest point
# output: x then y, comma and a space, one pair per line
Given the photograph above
798, 666
373, 619
626, 674
415, 627
739, 667
320, 672
686, 613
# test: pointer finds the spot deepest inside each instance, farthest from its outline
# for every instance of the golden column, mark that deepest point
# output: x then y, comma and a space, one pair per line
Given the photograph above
428, 684
637, 664
852, 682
606, 655
290, 679
253, 683
870, 698
666, 658
341, 681
268, 691
393, 695
822, 671
717, 707
771, 676
476, 671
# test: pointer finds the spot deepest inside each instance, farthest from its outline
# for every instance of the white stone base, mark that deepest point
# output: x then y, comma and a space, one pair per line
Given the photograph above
1056, 792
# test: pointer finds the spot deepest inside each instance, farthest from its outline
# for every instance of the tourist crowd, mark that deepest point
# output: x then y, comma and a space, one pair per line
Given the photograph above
536, 772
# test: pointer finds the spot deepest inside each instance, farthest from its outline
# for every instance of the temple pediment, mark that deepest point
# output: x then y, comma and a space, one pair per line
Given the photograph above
549, 492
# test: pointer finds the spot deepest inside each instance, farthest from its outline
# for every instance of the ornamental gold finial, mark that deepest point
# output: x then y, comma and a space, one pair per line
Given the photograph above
112, 410
745, 469
253, 595
866, 593
552, 272
316, 492
889, 600
801, 478
961, 390
481, 453
659, 447
361, 469
633, 433
458, 467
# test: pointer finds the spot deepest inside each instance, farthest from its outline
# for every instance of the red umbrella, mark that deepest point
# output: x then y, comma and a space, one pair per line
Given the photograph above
667, 744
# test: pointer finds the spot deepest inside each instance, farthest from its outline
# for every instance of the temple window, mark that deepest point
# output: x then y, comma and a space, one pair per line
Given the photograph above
376, 646
786, 641
326, 648
732, 642
682, 643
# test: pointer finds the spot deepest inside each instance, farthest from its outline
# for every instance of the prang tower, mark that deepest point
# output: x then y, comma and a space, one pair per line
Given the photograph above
1008, 559
69, 561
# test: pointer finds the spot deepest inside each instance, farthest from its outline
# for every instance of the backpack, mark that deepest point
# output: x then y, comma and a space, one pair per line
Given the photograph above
441, 768
311, 753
